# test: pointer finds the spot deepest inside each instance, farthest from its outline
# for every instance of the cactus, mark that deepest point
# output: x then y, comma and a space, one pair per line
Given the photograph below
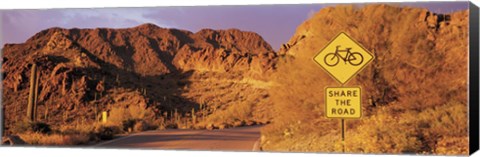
15, 111
37, 79
194, 117
64, 90
33, 94
117, 80
96, 107
171, 115
164, 118
203, 109
96, 112
65, 116
46, 113
185, 122
177, 118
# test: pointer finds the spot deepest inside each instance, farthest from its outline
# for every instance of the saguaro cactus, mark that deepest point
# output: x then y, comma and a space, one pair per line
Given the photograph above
35, 99
194, 117
177, 117
32, 102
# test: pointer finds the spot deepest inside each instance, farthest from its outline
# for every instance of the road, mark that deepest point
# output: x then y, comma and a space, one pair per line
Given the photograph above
232, 139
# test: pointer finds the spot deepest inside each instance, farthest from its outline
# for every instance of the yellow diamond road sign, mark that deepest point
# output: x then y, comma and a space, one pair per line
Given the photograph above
343, 58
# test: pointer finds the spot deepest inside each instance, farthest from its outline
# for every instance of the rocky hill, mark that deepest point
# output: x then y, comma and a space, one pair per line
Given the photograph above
151, 51
414, 94
85, 71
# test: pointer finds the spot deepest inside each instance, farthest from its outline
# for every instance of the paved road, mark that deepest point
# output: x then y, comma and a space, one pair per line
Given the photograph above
233, 139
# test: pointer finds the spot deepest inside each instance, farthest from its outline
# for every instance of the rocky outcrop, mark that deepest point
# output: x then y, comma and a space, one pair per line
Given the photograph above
12, 140
150, 50
229, 50
83, 71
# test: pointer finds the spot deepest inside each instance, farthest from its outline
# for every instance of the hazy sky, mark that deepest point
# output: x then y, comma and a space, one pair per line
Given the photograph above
275, 23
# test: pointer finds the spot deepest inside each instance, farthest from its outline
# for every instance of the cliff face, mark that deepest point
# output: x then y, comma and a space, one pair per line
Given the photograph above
145, 65
419, 76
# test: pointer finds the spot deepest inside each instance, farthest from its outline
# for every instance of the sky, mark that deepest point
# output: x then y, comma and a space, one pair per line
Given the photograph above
275, 23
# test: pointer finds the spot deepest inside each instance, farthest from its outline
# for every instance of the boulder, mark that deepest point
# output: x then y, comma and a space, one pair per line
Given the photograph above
12, 140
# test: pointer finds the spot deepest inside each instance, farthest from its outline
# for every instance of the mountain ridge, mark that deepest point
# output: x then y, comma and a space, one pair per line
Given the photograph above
147, 65
165, 42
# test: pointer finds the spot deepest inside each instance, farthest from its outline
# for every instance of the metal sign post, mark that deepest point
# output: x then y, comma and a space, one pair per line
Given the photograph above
343, 58
343, 135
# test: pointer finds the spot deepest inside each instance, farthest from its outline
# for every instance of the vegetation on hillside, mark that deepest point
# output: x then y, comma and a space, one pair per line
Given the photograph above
414, 93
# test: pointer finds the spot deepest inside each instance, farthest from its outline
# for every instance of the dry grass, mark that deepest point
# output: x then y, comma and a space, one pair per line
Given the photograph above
55, 139
426, 131
440, 130
77, 129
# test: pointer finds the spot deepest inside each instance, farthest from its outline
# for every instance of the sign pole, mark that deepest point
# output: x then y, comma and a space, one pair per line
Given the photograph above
343, 135
343, 132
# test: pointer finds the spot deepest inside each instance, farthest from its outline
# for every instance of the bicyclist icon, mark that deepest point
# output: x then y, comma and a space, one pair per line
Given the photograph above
333, 58
343, 57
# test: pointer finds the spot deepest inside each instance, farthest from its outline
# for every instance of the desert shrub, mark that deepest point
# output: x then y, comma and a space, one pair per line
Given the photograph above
76, 139
427, 131
159, 123
171, 126
128, 116
26, 126
128, 124
117, 115
138, 112
106, 132
140, 126
450, 119
41, 127
443, 128
383, 133
54, 139
76, 129
237, 112
439, 130
452, 145
305, 136
21, 127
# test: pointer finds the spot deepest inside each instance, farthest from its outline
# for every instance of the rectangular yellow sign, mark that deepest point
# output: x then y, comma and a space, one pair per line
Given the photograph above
343, 102
104, 117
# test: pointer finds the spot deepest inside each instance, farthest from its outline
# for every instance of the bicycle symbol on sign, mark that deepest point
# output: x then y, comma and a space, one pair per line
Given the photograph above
354, 58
